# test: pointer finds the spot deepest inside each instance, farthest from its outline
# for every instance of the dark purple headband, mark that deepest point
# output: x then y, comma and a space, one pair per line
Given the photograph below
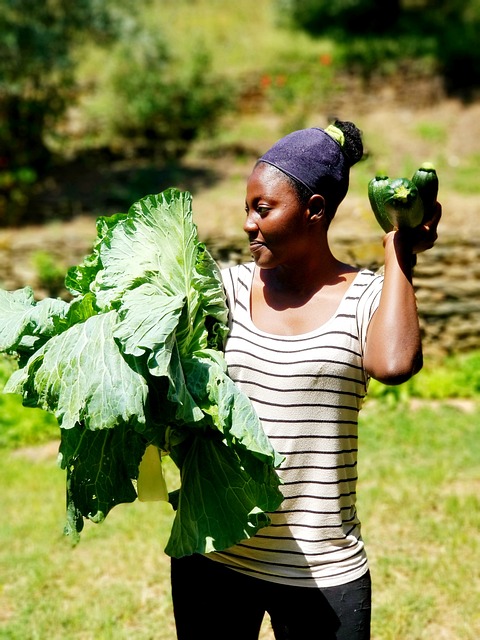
314, 158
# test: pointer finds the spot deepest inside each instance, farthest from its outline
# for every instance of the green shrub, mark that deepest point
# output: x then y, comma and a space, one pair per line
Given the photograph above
50, 273
291, 87
384, 36
15, 188
459, 55
354, 16
371, 55
456, 377
163, 103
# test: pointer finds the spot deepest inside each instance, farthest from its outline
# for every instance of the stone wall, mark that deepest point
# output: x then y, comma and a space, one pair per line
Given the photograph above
448, 293
447, 279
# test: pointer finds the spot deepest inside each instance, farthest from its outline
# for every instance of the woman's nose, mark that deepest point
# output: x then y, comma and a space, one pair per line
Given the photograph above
250, 226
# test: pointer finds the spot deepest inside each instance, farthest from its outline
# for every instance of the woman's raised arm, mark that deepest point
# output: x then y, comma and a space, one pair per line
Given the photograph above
393, 351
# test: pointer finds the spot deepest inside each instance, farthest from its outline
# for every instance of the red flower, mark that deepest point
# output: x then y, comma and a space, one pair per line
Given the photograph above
266, 81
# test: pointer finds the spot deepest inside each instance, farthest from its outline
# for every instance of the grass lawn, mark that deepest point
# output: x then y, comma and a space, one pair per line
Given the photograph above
419, 498
113, 584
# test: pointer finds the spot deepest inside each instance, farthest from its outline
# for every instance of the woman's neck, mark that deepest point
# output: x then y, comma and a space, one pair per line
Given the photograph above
305, 278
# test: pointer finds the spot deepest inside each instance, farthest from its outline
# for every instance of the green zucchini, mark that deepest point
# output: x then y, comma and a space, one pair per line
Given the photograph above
396, 202
403, 203
376, 188
426, 181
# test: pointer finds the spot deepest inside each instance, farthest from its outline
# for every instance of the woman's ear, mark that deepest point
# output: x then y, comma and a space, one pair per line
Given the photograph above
316, 208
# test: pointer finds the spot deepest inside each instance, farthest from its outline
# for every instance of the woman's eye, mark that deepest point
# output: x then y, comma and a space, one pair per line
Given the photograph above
259, 209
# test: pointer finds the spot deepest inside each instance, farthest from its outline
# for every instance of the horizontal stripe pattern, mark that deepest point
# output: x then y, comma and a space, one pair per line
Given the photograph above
307, 390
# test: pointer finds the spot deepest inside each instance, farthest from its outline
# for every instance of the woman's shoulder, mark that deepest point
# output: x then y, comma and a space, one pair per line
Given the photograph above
235, 272
247, 266
370, 274
236, 275
368, 283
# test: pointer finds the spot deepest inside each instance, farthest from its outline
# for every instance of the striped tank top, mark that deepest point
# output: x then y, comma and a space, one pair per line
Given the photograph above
307, 391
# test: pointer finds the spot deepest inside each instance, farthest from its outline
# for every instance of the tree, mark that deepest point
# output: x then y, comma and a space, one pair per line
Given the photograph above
36, 68
166, 101
37, 40
354, 16
445, 29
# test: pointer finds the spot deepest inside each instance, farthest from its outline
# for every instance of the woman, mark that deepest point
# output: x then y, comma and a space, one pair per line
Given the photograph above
307, 333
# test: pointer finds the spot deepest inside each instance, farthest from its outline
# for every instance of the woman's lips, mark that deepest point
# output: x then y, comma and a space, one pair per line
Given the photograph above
256, 246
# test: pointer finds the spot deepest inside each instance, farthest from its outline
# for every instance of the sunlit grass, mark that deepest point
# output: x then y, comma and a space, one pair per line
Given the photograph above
465, 175
419, 503
432, 132
20, 426
420, 481
113, 584
246, 36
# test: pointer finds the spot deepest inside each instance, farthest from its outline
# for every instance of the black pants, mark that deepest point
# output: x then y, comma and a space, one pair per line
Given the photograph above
212, 601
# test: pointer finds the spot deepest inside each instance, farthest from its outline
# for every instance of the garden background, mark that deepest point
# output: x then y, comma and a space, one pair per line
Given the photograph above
101, 105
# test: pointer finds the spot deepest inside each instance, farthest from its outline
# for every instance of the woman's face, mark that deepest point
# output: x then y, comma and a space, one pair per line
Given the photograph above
276, 222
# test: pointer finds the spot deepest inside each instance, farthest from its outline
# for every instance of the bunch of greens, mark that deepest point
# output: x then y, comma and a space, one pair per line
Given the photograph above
135, 359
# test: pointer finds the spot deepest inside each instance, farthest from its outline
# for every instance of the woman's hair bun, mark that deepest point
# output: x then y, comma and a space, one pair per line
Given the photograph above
353, 145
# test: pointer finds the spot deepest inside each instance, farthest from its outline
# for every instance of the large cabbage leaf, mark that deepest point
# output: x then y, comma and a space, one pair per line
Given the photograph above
136, 358
81, 376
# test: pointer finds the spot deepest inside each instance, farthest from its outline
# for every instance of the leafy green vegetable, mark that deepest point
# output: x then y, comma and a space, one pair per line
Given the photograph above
136, 359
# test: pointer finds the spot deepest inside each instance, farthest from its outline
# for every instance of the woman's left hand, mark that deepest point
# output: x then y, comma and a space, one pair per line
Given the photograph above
408, 241
425, 235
